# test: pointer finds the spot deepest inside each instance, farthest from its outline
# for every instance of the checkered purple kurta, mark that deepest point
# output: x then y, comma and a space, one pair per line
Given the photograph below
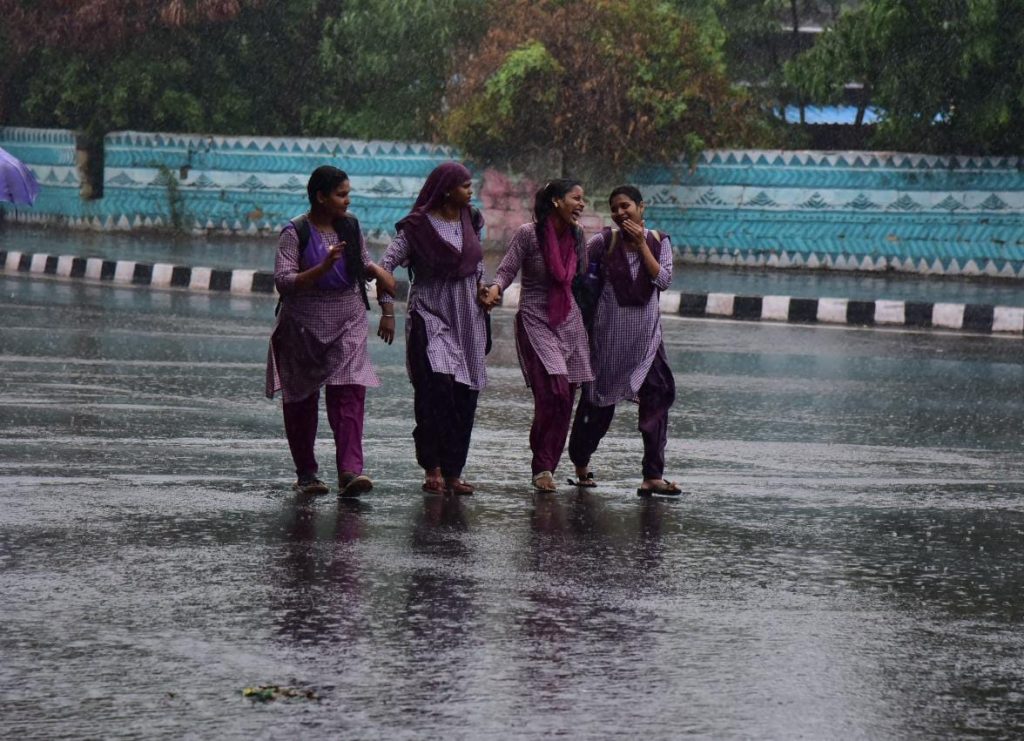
336, 318
562, 350
456, 333
624, 339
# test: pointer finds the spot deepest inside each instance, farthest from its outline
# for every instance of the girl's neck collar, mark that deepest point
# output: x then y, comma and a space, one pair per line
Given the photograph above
447, 213
320, 220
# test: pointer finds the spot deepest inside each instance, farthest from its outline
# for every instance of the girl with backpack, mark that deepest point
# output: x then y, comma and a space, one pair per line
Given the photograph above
319, 340
626, 348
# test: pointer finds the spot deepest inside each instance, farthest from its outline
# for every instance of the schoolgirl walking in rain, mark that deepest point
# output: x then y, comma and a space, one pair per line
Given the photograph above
319, 340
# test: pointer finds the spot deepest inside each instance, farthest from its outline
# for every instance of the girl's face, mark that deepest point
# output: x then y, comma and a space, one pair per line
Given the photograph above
461, 194
570, 207
623, 207
336, 202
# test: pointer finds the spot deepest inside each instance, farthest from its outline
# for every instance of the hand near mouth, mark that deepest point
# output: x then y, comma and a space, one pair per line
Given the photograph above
633, 234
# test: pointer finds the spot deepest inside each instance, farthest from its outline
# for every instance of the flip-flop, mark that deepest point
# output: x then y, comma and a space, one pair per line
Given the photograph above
357, 485
586, 482
668, 489
546, 489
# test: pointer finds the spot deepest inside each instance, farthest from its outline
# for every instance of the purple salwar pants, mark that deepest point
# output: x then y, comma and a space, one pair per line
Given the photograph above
443, 407
345, 408
552, 406
657, 394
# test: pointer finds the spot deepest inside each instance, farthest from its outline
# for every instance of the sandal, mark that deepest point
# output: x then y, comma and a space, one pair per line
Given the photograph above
544, 481
586, 482
310, 486
460, 487
665, 488
352, 485
433, 485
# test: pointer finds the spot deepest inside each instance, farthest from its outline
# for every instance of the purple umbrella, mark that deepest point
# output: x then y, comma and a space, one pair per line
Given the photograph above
17, 184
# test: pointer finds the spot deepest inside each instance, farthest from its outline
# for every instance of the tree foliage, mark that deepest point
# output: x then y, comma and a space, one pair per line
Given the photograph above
371, 69
598, 86
945, 75
385, 64
592, 83
103, 24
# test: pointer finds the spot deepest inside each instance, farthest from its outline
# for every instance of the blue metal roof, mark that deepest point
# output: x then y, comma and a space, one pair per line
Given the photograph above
832, 114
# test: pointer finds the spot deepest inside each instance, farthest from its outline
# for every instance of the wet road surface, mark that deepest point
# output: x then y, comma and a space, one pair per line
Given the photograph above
849, 561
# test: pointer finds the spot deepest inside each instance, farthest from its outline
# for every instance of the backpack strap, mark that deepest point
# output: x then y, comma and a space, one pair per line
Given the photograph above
348, 230
613, 240
476, 218
301, 224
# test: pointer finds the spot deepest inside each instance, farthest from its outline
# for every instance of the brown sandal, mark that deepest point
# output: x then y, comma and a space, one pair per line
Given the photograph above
460, 487
354, 485
433, 486
665, 488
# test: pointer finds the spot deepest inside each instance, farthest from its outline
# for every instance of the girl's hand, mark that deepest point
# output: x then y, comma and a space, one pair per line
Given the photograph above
386, 328
488, 297
334, 254
633, 234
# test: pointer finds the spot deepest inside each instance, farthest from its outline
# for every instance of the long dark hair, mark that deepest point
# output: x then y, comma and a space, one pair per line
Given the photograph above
544, 201
324, 179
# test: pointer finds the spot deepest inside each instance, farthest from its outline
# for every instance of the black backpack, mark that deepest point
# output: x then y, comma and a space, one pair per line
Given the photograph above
348, 231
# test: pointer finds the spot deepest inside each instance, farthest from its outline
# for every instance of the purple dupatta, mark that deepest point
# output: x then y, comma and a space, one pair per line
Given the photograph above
629, 291
431, 254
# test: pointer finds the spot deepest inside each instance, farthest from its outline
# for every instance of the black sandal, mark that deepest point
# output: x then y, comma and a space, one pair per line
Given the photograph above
585, 482
665, 489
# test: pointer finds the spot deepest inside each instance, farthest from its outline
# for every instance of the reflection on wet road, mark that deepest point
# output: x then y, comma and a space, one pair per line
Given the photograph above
849, 561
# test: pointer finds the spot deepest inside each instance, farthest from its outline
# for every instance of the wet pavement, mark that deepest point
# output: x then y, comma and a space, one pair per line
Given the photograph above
257, 253
848, 561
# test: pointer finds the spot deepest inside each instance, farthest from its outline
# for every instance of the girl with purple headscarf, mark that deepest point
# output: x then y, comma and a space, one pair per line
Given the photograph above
320, 336
550, 337
445, 330
626, 347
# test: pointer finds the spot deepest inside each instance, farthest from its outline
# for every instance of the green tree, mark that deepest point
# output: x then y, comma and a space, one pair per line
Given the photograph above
946, 75
594, 87
387, 63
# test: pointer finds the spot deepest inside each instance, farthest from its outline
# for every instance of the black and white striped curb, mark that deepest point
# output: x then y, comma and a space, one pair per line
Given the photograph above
880, 313
156, 275
129, 272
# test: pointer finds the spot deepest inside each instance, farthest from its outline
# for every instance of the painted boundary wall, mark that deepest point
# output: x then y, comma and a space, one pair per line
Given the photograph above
844, 211
202, 184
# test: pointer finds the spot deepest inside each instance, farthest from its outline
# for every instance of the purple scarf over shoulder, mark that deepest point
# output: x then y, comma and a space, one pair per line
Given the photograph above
314, 253
559, 254
629, 291
431, 254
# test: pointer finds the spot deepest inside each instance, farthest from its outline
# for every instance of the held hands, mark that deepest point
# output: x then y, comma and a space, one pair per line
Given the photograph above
386, 328
488, 296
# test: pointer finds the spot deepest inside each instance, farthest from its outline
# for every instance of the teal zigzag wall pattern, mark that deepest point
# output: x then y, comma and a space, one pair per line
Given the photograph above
241, 185
854, 210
